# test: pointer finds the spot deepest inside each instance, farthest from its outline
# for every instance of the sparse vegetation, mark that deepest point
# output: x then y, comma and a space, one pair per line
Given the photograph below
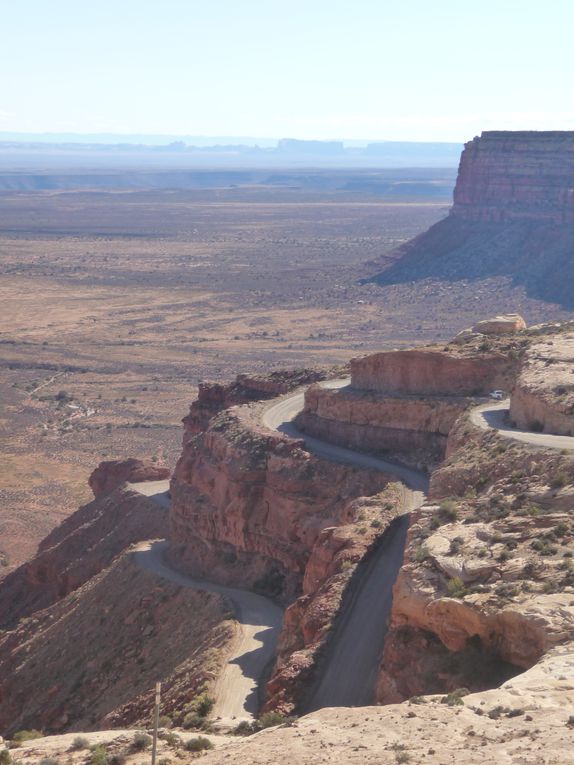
80, 742
26, 735
141, 741
198, 744
456, 588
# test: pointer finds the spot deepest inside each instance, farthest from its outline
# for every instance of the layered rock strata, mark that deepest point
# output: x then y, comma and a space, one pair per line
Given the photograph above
430, 372
413, 428
543, 397
516, 176
248, 505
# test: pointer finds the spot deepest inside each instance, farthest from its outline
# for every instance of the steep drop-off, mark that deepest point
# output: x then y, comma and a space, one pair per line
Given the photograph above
513, 217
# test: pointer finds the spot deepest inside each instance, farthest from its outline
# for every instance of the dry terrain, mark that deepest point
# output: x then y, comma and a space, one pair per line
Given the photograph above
115, 305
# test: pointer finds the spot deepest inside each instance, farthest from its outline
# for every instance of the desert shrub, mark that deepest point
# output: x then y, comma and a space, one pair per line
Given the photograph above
559, 481
80, 742
49, 761
5, 758
421, 554
561, 529
245, 728
456, 545
26, 735
542, 547
376, 524
456, 588
402, 757
141, 741
198, 744
119, 758
269, 719
99, 756
447, 511
172, 739
165, 721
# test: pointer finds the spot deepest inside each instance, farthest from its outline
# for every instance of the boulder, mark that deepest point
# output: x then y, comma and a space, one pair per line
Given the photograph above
505, 324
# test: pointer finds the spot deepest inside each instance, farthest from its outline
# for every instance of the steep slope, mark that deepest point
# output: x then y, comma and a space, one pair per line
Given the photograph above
512, 218
92, 659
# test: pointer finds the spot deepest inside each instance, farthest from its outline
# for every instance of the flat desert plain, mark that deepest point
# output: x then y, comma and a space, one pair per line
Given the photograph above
114, 305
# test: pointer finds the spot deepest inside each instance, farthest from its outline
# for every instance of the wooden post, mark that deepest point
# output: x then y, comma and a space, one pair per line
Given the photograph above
155, 722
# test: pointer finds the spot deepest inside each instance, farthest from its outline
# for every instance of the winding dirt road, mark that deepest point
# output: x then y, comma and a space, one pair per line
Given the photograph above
495, 415
348, 671
237, 690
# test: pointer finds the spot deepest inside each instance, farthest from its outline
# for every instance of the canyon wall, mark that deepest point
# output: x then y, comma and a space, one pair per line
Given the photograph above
543, 397
430, 373
516, 176
248, 504
414, 428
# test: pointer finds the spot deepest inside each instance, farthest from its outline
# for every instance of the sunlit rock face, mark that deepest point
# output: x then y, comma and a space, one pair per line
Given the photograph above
516, 176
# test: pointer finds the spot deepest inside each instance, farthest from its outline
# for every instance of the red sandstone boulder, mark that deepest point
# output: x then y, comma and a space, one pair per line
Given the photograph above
113, 473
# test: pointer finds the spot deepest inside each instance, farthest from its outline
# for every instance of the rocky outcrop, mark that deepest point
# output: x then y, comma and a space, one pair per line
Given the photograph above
84, 544
213, 398
414, 429
430, 373
248, 505
486, 589
543, 397
111, 474
511, 225
516, 176
506, 324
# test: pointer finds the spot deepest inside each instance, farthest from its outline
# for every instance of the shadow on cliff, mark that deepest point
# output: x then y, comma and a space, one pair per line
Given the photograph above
536, 256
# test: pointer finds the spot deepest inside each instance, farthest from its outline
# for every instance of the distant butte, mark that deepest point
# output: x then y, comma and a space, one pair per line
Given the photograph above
513, 216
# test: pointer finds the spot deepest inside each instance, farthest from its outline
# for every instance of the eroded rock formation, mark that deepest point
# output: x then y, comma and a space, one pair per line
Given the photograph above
512, 221
111, 474
516, 176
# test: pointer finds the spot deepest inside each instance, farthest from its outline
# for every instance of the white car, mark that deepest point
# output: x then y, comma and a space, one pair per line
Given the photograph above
497, 395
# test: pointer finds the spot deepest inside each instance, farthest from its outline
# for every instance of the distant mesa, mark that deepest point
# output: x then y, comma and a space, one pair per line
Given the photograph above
513, 216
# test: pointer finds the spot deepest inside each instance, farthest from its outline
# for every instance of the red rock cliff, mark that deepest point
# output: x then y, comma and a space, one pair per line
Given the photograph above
511, 176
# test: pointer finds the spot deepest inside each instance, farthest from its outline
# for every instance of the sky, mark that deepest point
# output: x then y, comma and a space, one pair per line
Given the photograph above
436, 70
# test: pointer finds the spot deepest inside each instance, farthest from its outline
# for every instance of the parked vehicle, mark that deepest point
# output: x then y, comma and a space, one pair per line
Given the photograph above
497, 395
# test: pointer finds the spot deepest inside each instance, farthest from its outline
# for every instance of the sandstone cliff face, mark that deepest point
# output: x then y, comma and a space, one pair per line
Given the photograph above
212, 398
84, 544
248, 504
511, 226
516, 176
412, 428
111, 474
543, 397
430, 373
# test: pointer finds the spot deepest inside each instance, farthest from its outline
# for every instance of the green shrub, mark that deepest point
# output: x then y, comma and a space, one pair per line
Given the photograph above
198, 744
5, 758
421, 553
99, 756
245, 728
448, 512
26, 735
269, 719
559, 481
172, 739
119, 758
141, 741
165, 721
80, 742
456, 588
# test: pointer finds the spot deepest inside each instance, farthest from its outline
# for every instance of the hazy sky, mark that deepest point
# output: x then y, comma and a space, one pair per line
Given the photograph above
400, 69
